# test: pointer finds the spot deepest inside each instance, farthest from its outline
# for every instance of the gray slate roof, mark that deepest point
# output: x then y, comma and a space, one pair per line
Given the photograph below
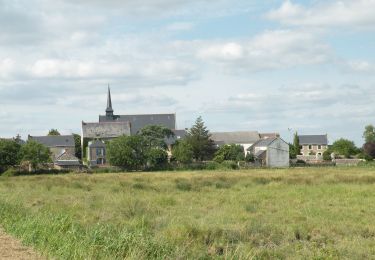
105, 129
67, 159
264, 142
245, 137
137, 122
54, 140
313, 139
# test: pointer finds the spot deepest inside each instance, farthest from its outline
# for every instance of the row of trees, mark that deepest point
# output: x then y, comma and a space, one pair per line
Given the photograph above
12, 153
343, 147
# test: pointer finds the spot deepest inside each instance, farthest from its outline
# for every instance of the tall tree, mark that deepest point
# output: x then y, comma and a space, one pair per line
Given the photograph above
9, 153
35, 153
156, 135
128, 152
297, 147
369, 150
182, 151
369, 134
53, 132
199, 138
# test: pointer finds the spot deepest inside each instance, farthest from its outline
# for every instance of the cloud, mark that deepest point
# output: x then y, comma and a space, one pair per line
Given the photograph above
344, 13
360, 66
180, 26
269, 50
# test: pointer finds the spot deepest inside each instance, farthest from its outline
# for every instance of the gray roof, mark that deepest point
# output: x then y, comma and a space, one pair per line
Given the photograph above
245, 137
313, 139
264, 142
67, 159
137, 122
105, 129
54, 140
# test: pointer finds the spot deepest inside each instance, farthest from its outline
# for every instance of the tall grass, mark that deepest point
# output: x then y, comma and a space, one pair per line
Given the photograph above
258, 214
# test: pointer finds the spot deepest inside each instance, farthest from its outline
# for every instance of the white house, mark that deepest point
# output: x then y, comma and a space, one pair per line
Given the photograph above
271, 152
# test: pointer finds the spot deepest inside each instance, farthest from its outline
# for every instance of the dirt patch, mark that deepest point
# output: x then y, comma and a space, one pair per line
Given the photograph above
11, 248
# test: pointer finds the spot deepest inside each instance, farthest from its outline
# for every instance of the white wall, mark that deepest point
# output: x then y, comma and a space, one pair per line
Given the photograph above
278, 154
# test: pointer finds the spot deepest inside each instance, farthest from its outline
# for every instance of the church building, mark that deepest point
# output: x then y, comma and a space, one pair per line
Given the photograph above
94, 135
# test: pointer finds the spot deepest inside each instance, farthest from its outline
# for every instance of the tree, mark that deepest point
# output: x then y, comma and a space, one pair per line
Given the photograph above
128, 152
232, 152
182, 151
344, 147
9, 153
77, 144
156, 158
369, 134
369, 150
155, 135
292, 152
296, 145
35, 153
200, 141
53, 132
327, 155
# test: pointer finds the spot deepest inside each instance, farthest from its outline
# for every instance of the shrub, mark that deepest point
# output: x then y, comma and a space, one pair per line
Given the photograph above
327, 156
11, 172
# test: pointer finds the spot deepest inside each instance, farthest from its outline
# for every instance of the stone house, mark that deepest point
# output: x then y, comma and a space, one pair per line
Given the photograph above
62, 149
271, 152
313, 144
57, 144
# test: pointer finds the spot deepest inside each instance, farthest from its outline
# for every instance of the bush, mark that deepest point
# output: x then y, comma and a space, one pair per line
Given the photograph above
11, 172
327, 156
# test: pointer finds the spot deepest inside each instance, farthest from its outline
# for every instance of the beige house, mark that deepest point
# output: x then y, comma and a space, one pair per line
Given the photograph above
313, 145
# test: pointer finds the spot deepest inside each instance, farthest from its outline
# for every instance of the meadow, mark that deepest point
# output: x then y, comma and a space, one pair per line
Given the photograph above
301, 213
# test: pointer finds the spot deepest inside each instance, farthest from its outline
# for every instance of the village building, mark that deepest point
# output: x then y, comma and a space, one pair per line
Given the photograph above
313, 145
94, 135
62, 148
243, 138
271, 152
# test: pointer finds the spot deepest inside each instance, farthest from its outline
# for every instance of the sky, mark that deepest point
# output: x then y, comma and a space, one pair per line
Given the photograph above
261, 65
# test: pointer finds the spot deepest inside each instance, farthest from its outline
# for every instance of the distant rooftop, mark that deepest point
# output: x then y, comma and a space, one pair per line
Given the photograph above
313, 139
54, 140
242, 137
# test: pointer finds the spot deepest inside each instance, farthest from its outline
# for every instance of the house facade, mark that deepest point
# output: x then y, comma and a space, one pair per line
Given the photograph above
271, 152
311, 145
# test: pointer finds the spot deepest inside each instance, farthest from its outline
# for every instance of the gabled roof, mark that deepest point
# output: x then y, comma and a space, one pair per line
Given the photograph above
67, 159
54, 140
105, 129
137, 122
313, 139
264, 142
242, 137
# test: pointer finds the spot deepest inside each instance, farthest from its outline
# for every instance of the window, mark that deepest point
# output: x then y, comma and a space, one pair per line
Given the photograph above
310, 147
99, 152
319, 147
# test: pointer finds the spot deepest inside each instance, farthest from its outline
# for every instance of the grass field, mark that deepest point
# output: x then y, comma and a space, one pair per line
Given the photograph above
255, 214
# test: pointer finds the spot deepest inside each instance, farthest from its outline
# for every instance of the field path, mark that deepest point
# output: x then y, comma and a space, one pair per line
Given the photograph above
11, 248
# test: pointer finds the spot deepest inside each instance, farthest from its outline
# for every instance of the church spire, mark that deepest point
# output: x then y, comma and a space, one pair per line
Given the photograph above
109, 109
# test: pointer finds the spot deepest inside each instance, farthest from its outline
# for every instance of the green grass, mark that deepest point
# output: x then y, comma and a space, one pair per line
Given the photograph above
323, 213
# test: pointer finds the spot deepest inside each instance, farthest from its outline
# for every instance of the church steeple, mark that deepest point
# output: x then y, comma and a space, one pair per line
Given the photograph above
109, 109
